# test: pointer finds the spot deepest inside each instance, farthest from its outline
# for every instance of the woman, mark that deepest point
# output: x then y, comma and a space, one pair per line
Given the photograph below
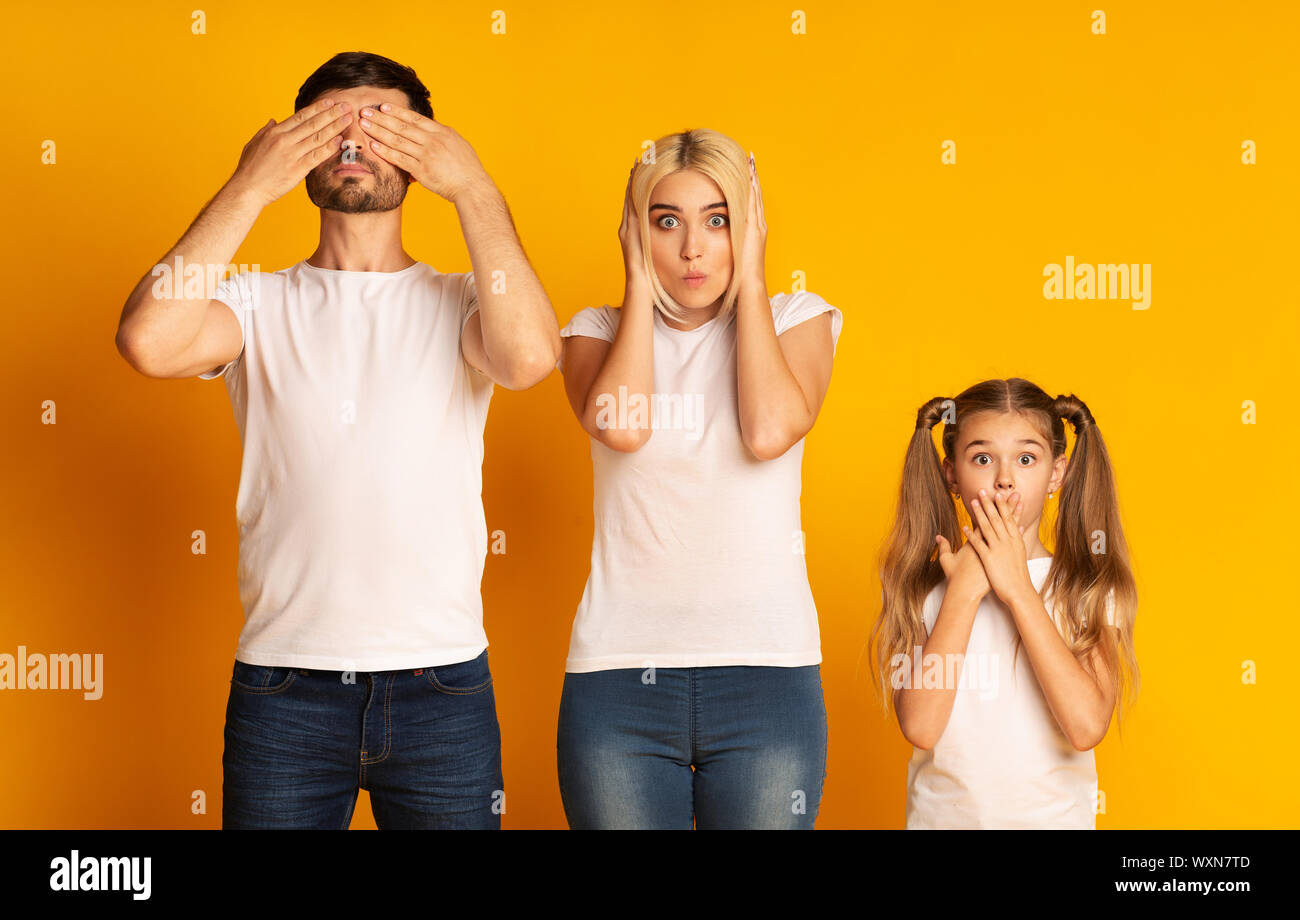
692, 689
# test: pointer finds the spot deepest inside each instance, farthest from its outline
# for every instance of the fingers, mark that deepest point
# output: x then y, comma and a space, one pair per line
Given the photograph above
317, 155
1000, 515
945, 553
396, 157
388, 127
390, 139
976, 541
299, 118
980, 516
309, 129
326, 138
399, 113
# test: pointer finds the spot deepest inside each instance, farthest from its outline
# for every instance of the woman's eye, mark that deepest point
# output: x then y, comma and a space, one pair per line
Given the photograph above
720, 218
667, 217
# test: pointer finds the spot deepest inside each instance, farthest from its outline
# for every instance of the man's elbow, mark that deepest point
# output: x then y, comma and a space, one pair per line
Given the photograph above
528, 370
135, 354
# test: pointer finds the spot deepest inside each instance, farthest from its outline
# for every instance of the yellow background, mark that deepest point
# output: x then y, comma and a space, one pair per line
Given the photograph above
1123, 147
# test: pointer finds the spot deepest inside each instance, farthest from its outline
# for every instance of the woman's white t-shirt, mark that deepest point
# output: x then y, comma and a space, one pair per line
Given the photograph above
1002, 760
698, 553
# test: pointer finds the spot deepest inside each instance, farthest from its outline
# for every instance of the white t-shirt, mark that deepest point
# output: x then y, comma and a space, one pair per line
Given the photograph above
697, 557
361, 531
1002, 760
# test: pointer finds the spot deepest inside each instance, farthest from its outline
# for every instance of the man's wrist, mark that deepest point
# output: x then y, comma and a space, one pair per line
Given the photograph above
243, 196
478, 193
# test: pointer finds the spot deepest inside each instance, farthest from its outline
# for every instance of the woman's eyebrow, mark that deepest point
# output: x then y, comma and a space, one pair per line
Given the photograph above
673, 207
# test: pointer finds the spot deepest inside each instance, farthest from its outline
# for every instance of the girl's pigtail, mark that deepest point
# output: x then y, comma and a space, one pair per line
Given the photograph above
1091, 576
910, 565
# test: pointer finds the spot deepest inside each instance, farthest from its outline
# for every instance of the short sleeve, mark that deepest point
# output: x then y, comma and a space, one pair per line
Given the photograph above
468, 299
238, 294
789, 310
593, 322
930, 609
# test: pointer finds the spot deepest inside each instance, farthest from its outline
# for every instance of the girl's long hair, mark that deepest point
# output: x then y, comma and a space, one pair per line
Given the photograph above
1090, 562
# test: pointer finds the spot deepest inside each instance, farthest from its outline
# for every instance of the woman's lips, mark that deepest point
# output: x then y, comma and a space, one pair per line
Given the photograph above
695, 281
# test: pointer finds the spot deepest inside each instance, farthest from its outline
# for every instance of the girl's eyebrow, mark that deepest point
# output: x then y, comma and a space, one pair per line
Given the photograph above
1031, 441
673, 207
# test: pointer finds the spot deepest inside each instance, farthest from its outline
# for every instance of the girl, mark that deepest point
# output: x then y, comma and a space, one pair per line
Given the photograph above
1002, 739
692, 689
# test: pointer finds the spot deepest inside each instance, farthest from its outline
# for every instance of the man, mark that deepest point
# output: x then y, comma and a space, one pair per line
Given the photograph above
360, 381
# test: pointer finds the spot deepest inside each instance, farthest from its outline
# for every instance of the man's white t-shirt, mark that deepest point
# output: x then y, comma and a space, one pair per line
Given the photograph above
1002, 760
362, 538
697, 558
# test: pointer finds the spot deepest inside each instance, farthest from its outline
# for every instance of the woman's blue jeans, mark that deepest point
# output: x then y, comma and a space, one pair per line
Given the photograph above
726, 747
424, 742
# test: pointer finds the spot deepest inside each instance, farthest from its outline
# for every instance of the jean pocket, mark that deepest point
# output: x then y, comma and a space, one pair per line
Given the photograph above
259, 678
462, 677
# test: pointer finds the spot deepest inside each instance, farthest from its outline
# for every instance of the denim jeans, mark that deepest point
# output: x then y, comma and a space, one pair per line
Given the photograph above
730, 747
424, 742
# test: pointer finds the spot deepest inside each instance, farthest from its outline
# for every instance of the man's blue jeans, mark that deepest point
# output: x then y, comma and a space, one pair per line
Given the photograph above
755, 737
424, 743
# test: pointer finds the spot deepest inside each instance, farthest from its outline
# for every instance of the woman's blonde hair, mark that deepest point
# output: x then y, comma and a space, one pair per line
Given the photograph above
1080, 579
722, 160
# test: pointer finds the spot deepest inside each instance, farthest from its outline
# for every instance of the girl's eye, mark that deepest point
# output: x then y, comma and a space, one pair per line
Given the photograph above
665, 218
977, 458
722, 218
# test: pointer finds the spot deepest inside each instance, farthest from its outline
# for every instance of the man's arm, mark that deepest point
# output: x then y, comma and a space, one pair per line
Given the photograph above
160, 336
514, 338
176, 336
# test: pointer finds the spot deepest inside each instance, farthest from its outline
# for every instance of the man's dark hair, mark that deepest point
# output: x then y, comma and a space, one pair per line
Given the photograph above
361, 68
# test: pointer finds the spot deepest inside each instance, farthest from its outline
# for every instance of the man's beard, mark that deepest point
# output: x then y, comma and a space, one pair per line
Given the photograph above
348, 193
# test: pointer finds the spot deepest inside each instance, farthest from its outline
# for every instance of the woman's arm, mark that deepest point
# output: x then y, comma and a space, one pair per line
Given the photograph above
599, 375
780, 381
594, 368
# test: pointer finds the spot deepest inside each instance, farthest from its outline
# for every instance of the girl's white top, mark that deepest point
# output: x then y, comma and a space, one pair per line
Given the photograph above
1002, 760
